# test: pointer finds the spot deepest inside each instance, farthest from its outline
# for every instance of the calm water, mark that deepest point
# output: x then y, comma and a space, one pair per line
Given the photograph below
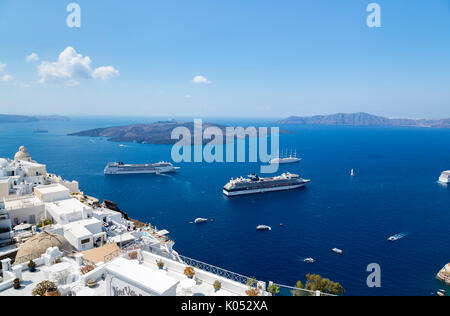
395, 191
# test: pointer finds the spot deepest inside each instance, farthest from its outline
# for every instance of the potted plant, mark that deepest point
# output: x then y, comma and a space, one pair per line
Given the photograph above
42, 288
273, 289
133, 255
252, 288
217, 285
252, 292
17, 284
189, 272
32, 266
92, 283
52, 291
87, 269
160, 264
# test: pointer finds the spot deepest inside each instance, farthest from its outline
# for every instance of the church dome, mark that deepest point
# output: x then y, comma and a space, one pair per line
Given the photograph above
38, 245
22, 154
3, 163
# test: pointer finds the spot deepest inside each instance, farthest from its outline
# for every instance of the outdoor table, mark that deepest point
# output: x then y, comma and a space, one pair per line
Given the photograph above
187, 285
59, 272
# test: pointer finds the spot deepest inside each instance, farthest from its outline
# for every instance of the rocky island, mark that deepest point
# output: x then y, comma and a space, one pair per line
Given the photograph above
158, 133
8, 118
364, 119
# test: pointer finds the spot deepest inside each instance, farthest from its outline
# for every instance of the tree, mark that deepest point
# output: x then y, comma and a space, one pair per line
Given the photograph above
316, 283
273, 289
298, 291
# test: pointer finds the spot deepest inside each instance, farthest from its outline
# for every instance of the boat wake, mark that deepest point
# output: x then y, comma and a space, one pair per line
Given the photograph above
397, 237
307, 260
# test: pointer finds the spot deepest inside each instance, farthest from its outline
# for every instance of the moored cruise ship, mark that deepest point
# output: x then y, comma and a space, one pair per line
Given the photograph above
121, 168
254, 184
445, 177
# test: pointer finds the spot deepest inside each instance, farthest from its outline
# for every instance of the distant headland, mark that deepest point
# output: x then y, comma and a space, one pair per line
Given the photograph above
7, 118
364, 119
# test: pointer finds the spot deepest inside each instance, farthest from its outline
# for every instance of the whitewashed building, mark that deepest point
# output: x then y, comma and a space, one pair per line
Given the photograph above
5, 226
20, 176
25, 209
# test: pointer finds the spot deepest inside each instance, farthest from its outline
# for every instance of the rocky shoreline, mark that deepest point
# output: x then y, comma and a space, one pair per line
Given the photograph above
444, 274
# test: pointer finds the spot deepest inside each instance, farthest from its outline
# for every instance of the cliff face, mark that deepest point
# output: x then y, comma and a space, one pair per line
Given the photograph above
444, 274
363, 119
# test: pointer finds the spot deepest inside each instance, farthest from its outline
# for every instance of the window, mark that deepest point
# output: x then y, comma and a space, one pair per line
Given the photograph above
32, 219
85, 241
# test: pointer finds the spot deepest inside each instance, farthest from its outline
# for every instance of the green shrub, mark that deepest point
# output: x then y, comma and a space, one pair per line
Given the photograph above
42, 287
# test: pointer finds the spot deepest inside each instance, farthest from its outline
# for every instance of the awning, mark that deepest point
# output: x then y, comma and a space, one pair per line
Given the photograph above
22, 227
162, 233
123, 238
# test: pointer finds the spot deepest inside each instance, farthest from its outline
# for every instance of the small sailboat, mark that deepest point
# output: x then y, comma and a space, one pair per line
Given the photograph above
352, 173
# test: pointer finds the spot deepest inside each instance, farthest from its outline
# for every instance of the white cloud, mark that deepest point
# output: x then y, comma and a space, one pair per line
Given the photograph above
72, 67
7, 78
2, 66
32, 57
201, 80
105, 73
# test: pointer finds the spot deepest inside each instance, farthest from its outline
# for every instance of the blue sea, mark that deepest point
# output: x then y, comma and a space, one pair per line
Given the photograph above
395, 190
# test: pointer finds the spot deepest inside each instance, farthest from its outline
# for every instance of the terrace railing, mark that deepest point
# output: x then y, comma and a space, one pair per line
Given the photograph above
293, 291
112, 255
215, 270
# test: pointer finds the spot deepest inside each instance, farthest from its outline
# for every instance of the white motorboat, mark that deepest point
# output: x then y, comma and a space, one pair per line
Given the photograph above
445, 177
338, 251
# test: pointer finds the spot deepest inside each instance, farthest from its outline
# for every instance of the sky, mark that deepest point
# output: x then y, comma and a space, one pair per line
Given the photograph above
225, 58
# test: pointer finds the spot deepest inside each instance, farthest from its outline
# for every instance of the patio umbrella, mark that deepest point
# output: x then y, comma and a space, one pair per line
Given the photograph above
22, 227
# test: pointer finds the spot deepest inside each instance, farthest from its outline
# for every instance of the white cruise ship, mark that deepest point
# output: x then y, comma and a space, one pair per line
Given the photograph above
254, 184
284, 159
445, 177
121, 168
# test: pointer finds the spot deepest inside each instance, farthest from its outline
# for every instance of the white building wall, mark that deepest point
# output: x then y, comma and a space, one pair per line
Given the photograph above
31, 214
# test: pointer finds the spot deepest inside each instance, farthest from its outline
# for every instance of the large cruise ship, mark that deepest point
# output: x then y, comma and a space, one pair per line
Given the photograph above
445, 177
121, 168
255, 184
